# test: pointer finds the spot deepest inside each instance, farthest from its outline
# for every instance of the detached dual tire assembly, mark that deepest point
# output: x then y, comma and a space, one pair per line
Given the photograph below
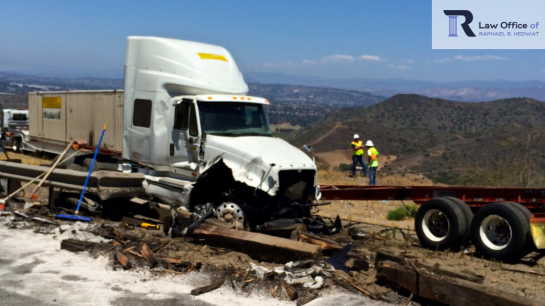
498, 230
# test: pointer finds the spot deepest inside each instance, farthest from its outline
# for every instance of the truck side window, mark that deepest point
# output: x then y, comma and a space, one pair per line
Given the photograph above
141, 115
193, 128
181, 114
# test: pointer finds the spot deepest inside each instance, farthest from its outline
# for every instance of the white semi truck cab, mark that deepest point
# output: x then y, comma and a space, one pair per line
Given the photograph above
190, 127
187, 117
16, 122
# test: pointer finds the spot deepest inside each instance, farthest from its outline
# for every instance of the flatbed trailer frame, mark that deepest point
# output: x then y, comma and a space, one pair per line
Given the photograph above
502, 223
474, 197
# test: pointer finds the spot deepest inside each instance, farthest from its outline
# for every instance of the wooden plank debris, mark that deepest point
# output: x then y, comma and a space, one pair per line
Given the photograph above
148, 255
123, 260
292, 293
367, 293
381, 256
256, 245
208, 288
524, 270
324, 243
450, 291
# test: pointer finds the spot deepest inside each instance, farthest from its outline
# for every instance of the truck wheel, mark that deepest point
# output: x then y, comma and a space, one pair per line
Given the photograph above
17, 145
441, 224
231, 213
501, 231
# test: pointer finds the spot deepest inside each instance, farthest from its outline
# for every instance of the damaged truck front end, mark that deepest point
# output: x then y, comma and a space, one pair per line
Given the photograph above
248, 175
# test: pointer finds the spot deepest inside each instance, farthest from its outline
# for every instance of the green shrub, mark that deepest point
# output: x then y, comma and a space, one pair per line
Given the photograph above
345, 167
402, 213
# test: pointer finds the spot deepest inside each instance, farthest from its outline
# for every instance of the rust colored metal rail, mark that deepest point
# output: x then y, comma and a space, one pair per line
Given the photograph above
532, 198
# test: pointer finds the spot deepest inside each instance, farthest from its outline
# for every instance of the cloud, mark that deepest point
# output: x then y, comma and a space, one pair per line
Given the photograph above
284, 64
479, 58
335, 58
399, 67
371, 58
443, 60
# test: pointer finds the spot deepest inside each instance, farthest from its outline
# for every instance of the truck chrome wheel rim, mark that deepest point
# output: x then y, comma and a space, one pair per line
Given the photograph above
495, 232
230, 213
435, 225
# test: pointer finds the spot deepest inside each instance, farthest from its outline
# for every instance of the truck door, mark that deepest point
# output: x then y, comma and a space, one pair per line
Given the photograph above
185, 140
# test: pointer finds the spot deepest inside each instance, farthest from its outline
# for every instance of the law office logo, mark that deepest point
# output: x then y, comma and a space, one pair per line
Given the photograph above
487, 24
453, 22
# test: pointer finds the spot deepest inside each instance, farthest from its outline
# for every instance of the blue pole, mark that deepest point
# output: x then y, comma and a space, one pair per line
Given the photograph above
90, 170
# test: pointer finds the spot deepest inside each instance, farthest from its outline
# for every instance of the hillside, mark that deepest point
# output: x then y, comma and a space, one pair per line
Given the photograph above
484, 143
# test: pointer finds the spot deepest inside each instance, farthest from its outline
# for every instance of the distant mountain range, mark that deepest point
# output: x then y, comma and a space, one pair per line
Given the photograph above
498, 143
293, 104
465, 91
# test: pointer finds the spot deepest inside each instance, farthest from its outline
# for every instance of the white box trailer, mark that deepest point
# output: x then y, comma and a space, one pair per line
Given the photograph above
60, 118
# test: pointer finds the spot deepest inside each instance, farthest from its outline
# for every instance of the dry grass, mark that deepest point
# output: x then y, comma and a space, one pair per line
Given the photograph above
342, 178
25, 159
368, 211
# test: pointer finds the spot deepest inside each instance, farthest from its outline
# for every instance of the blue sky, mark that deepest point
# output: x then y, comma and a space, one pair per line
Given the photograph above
331, 39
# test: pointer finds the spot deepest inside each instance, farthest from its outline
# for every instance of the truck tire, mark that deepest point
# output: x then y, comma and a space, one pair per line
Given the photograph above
77, 167
501, 231
468, 214
441, 224
530, 246
87, 164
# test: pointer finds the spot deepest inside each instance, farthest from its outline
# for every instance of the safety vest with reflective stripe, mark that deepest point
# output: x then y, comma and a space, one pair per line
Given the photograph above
356, 151
374, 156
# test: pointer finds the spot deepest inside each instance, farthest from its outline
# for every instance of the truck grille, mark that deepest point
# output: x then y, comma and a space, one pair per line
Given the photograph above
296, 185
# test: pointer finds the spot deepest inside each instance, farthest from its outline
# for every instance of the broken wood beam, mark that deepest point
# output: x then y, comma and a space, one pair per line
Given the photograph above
208, 288
380, 256
324, 243
74, 245
450, 291
258, 246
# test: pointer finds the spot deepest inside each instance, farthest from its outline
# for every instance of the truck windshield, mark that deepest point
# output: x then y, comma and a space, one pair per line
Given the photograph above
233, 119
20, 117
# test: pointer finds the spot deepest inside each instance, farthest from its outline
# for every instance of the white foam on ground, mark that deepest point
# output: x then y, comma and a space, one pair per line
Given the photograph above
33, 265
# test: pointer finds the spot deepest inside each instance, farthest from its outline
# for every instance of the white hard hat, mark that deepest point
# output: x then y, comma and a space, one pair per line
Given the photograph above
356, 136
369, 143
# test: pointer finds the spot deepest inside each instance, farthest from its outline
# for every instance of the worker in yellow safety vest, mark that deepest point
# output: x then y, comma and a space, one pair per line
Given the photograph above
372, 160
357, 155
